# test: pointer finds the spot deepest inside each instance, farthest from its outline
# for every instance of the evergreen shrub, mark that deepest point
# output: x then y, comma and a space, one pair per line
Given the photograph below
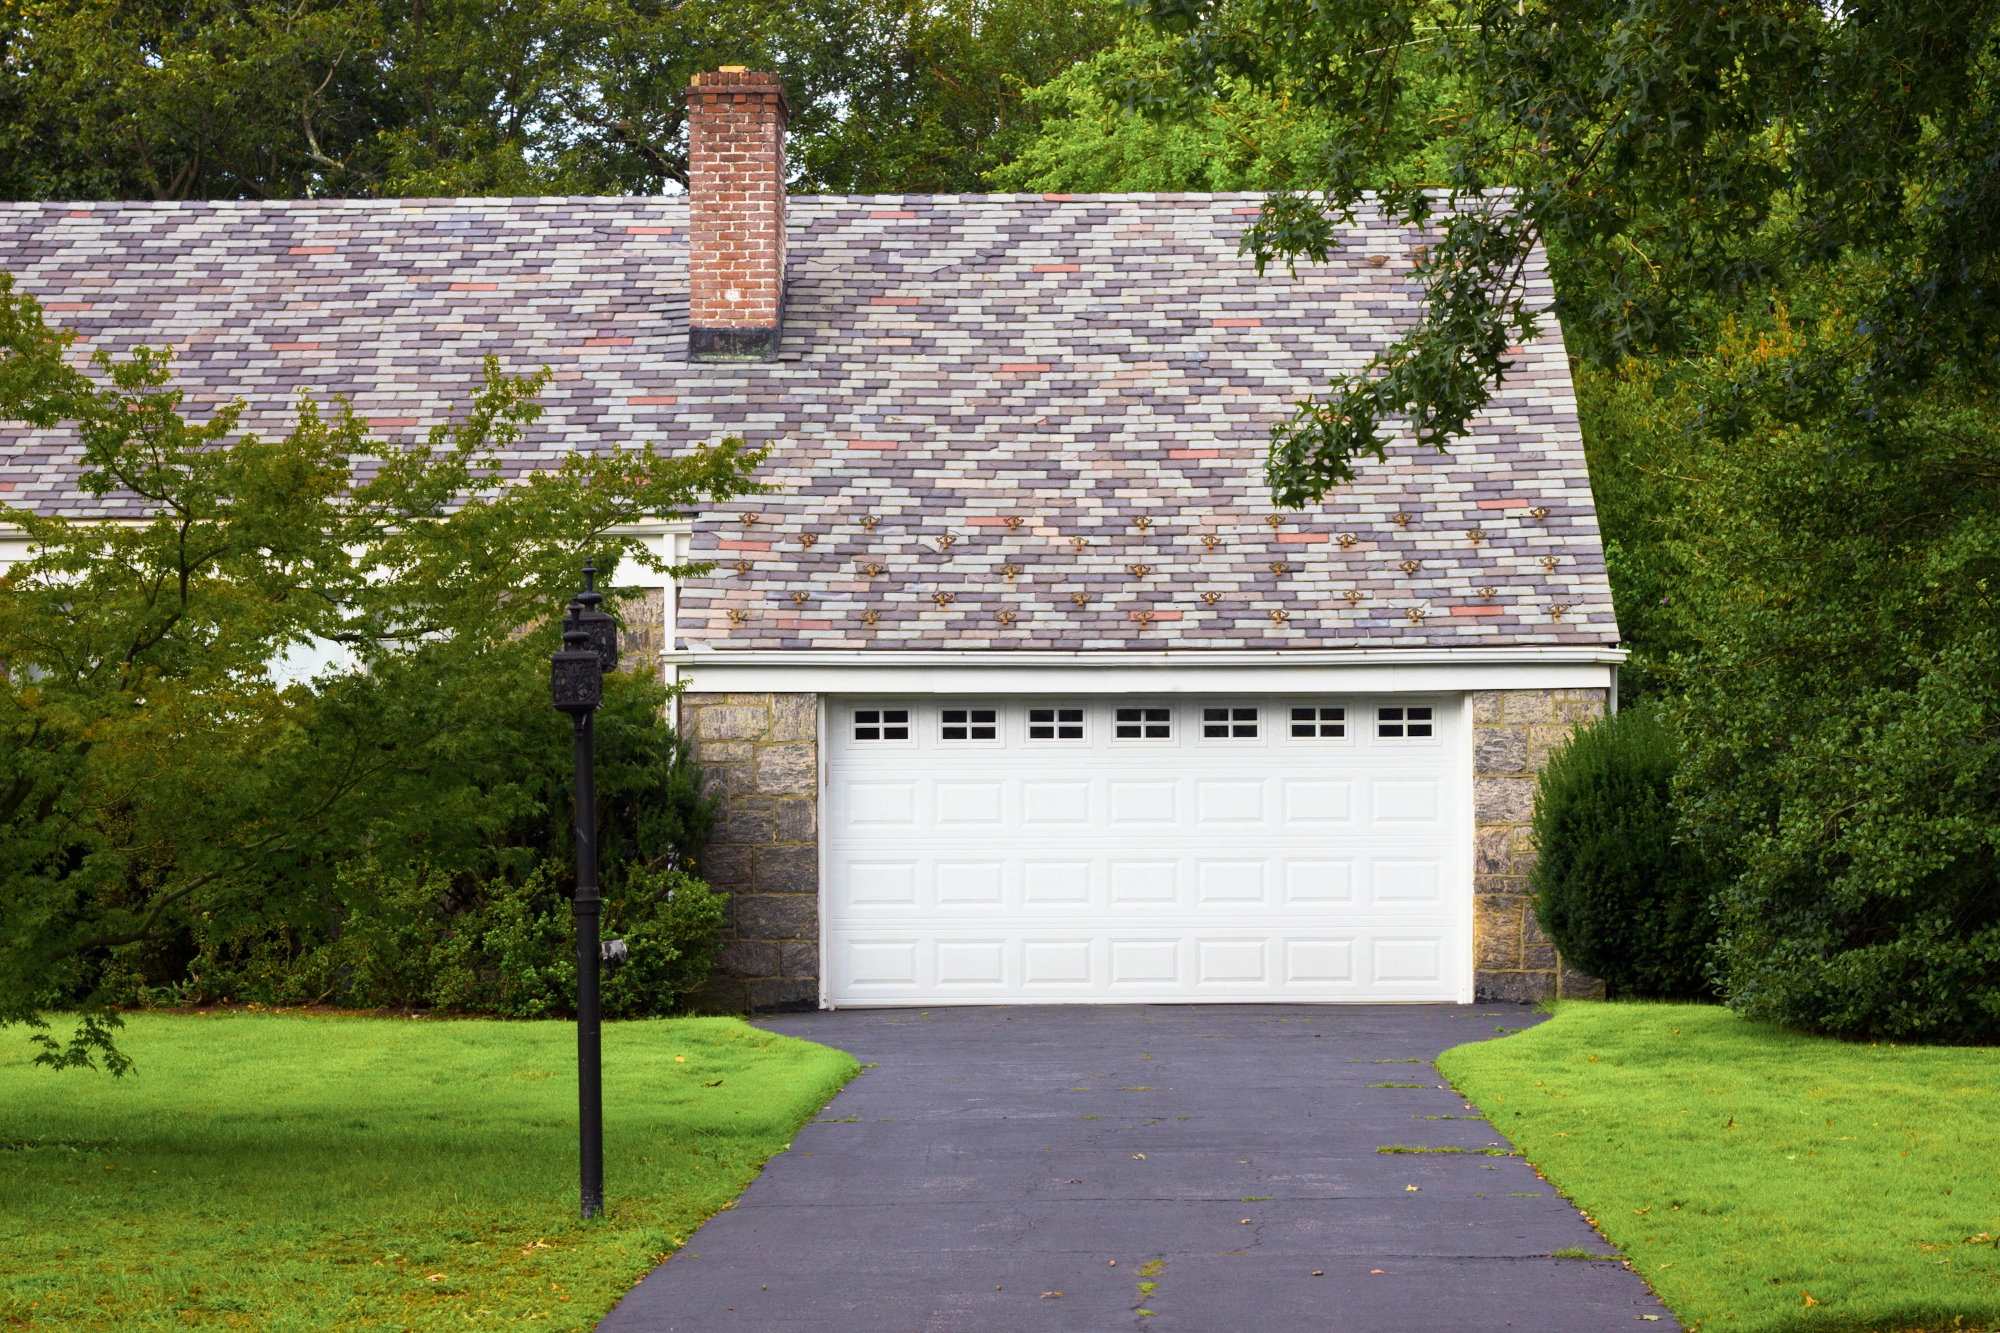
1622, 895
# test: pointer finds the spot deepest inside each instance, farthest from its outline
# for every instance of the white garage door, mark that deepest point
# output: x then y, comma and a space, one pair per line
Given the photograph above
1122, 849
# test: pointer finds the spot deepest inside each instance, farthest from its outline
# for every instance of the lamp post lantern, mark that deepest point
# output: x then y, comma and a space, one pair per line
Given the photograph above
576, 687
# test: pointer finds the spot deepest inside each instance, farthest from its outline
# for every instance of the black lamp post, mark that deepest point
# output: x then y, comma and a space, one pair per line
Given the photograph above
576, 685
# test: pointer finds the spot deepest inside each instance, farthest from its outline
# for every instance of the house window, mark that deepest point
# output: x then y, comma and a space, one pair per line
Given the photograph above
968, 724
881, 724
1234, 723
1148, 724
1408, 722
1326, 723
1055, 724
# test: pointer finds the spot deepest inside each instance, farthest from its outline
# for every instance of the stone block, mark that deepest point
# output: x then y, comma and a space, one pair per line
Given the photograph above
1512, 987
728, 869
748, 958
1493, 851
1538, 951
788, 770
1496, 932
797, 820
1574, 985
801, 960
746, 820
1580, 710
1499, 749
1544, 741
1499, 884
710, 753
1499, 800
788, 868
722, 995
783, 995
728, 782
1530, 706
777, 916
1486, 707
795, 717
731, 722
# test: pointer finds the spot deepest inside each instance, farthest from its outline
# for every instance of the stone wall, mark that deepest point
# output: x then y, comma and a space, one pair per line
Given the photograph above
1513, 733
760, 753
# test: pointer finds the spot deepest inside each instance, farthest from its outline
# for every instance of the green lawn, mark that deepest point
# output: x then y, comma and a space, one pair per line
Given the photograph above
292, 1173
1758, 1179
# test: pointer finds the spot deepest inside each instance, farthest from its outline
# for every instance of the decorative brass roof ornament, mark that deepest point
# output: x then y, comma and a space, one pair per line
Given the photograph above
801, 598
1211, 597
1354, 597
1004, 617
1401, 520
1211, 541
1010, 570
869, 617
871, 569
1410, 566
946, 542
1275, 520
1078, 542
1538, 513
1142, 523
1143, 617
1556, 609
737, 615
1139, 571
1280, 568
1475, 536
1280, 617
1346, 540
748, 518
1549, 562
1486, 594
943, 598
742, 566
869, 521
1416, 615
1013, 522
806, 540
1080, 598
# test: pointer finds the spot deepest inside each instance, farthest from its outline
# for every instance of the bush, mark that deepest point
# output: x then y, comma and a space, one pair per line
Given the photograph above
1622, 896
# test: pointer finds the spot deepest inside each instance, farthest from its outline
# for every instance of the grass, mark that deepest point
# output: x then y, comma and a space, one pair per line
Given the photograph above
1762, 1181
294, 1173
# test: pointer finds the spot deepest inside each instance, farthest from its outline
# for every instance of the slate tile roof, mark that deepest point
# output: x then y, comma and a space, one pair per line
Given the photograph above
1000, 422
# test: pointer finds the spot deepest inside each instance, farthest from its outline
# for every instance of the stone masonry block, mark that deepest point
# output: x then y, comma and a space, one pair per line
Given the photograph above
801, 960
795, 717
1497, 800
1574, 985
746, 820
788, 868
784, 994
797, 820
1493, 851
1581, 710
748, 958
1499, 749
1486, 707
788, 770
1512, 987
724, 752
1530, 706
1499, 884
728, 781
1544, 741
731, 722
1496, 932
778, 916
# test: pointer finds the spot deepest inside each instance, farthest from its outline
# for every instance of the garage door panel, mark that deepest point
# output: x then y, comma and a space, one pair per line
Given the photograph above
1120, 871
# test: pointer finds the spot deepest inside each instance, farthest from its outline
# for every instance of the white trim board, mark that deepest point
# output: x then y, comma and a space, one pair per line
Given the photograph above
1377, 671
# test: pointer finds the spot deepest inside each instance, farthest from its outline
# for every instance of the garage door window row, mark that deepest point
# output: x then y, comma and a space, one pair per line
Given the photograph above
974, 724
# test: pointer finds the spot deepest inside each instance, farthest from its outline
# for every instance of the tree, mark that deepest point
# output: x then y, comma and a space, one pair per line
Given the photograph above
219, 99
1674, 157
158, 772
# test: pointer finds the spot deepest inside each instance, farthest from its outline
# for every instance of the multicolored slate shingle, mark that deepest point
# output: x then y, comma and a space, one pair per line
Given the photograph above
998, 422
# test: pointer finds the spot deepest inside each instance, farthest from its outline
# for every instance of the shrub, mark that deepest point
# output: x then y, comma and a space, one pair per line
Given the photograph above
1622, 896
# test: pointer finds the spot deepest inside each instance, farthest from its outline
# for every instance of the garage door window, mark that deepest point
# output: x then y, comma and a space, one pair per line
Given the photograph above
1409, 722
881, 724
1055, 724
1229, 723
968, 724
1145, 724
1319, 723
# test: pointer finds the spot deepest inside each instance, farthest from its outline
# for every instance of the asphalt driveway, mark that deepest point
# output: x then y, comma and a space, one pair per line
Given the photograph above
983, 1175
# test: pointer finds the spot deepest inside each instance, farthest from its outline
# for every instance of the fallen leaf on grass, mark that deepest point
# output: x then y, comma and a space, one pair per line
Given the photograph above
435, 1277
1810, 1302
716, 1084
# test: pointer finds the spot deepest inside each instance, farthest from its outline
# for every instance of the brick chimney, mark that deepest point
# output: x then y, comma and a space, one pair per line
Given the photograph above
736, 214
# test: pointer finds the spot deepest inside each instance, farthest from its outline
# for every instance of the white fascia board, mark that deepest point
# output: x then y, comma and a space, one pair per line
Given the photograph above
1371, 671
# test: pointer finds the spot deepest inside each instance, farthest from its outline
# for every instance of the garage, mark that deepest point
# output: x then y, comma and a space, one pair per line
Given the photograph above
1129, 849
